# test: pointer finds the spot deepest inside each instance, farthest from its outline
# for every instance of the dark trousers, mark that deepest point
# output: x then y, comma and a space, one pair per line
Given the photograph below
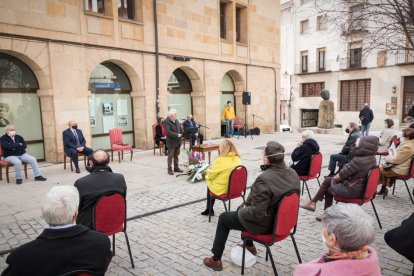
324, 191
173, 153
194, 138
157, 141
227, 221
74, 154
341, 159
210, 201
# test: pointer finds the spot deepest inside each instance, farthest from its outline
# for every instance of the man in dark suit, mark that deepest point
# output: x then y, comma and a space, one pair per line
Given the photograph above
174, 132
64, 246
190, 123
93, 186
74, 142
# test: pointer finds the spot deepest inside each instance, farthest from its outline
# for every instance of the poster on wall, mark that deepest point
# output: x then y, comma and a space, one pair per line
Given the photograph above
122, 107
5, 114
93, 121
391, 108
122, 121
108, 123
108, 108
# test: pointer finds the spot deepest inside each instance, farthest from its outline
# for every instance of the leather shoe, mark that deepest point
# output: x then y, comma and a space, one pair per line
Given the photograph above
252, 249
19, 181
77, 170
318, 218
205, 213
178, 170
215, 265
170, 172
40, 178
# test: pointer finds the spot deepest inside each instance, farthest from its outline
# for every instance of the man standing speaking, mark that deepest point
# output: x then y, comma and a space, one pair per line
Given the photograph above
174, 132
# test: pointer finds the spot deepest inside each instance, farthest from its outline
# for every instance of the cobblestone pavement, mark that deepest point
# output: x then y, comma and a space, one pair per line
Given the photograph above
175, 241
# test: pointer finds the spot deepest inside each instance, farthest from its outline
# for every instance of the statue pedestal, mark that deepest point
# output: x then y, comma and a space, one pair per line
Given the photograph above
317, 130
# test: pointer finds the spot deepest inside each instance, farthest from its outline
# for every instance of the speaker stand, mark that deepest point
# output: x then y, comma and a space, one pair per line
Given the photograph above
245, 126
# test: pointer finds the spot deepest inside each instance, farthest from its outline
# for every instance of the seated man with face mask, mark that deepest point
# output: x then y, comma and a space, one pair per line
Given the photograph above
93, 186
256, 215
74, 142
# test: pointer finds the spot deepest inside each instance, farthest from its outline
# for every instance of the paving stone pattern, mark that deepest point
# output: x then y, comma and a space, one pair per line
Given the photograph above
174, 242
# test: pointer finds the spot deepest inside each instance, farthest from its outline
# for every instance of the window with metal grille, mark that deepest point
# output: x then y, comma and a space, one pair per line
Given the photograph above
312, 89
354, 93
126, 9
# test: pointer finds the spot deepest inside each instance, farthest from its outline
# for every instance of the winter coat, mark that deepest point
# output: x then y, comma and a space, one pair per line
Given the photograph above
405, 152
302, 156
172, 129
401, 239
258, 212
366, 116
385, 139
353, 136
353, 176
218, 175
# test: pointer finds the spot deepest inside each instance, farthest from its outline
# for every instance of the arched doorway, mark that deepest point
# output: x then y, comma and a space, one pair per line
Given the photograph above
110, 105
19, 103
179, 96
227, 89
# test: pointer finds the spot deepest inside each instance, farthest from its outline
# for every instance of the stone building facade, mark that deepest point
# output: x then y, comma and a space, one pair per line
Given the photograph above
95, 61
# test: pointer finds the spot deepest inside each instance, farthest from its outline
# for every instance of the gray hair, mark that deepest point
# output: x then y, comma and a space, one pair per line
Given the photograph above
409, 118
353, 125
308, 134
172, 112
60, 205
352, 227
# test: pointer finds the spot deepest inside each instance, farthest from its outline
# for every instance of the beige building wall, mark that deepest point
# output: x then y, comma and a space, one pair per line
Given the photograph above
62, 43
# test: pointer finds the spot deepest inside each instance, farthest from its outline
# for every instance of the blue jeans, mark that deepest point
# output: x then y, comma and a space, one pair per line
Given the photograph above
229, 127
17, 162
365, 129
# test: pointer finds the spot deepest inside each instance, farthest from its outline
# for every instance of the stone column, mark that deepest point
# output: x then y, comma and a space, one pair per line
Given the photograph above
53, 150
142, 125
199, 113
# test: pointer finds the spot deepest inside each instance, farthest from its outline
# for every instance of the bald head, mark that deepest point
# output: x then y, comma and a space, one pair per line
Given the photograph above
100, 158
72, 123
10, 128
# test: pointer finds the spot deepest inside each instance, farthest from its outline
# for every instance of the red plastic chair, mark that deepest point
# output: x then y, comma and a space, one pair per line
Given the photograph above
7, 165
368, 193
70, 158
405, 178
161, 145
286, 219
109, 218
115, 136
236, 188
236, 125
314, 172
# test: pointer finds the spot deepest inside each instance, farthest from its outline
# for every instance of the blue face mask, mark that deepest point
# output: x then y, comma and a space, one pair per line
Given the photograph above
385, 126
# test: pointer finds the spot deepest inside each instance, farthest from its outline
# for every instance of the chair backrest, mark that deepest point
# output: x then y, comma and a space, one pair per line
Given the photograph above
154, 131
412, 168
237, 182
286, 216
109, 213
115, 136
315, 165
235, 121
372, 183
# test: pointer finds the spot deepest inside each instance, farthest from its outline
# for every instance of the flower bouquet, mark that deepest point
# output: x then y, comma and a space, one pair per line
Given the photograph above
196, 166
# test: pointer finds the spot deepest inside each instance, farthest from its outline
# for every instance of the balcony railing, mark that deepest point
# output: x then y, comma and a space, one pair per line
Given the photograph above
345, 64
313, 67
404, 57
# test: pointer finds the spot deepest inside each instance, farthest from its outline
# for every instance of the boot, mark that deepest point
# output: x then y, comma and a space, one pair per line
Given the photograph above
383, 191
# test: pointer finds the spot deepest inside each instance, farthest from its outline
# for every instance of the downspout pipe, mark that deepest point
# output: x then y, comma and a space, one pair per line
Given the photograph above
157, 62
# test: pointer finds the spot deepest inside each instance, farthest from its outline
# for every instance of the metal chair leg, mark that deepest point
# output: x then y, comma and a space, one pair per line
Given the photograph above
296, 248
307, 189
408, 190
119, 157
303, 186
129, 250
375, 211
273, 262
243, 256
225, 207
319, 183
393, 188
7, 174
113, 245
132, 153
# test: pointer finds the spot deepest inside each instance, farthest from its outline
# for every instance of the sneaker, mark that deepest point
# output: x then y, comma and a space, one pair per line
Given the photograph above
178, 170
19, 181
170, 172
40, 178
252, 249
211, 263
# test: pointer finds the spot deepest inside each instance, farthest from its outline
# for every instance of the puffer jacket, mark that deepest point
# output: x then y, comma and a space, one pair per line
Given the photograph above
302, 155
258, 212
353, 176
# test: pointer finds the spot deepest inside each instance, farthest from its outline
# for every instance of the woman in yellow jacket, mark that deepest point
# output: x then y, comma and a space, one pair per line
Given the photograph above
218, 175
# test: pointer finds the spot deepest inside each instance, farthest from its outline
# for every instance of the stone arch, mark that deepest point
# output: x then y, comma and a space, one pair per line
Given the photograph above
239, 84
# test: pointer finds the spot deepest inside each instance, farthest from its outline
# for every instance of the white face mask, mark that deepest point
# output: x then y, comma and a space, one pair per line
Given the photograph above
11, 133
327, 248
385, 126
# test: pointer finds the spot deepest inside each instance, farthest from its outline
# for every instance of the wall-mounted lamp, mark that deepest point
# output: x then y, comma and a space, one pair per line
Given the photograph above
394, 89
181, 58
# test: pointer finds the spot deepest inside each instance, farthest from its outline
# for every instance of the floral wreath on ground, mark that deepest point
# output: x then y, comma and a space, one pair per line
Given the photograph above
196, 166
